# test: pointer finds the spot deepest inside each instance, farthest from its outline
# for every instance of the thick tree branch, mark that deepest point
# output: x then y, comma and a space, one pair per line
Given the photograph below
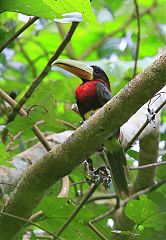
65, 157
148, 154
144, 179
128, 132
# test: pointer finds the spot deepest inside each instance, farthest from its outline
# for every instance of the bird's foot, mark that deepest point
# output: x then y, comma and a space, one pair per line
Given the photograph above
93, 174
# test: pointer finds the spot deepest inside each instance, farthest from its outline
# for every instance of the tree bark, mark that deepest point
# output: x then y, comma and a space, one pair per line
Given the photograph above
83, 142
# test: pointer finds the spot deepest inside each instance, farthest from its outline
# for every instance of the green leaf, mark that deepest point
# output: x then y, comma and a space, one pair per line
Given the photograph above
5, 156
50, 9
22, 124
33, 237
134, 154
57, 210
144, 212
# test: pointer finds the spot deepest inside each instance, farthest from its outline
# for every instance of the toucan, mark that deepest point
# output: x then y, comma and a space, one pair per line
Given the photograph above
91, 95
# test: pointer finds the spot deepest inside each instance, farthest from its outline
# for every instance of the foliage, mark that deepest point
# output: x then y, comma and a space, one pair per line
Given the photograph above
51, 8
115, 36
144, 212
4, 156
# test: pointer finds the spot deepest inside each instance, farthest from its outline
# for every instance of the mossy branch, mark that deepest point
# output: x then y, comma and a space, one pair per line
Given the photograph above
82, 143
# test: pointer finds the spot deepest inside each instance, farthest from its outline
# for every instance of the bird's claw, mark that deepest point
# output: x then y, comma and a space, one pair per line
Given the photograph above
93, 174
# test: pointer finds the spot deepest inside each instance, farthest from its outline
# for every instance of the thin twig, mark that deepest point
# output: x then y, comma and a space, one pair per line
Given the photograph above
44, 72
107, 213
104, 215
138, 37
16, 34
67, 124
30, 222
134, 196
22, 112
76, 183
148, 166
143, 127
77, 210
13, 138
94, 229
102, 197
144, 191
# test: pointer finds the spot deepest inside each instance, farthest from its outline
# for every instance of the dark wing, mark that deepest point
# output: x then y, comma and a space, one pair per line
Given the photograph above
103, 93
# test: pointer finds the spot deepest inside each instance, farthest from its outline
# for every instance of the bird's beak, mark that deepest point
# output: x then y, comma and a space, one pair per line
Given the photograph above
78, 69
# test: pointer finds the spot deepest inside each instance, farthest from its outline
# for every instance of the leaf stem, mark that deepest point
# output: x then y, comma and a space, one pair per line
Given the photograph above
29, 222
94, 229
82, 203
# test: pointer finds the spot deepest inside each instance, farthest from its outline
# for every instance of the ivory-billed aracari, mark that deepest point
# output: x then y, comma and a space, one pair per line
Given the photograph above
91, 95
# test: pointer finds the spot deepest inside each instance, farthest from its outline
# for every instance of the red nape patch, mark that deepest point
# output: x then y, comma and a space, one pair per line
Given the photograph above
87, 89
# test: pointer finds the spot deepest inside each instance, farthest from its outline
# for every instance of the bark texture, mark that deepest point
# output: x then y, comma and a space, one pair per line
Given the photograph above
83, 142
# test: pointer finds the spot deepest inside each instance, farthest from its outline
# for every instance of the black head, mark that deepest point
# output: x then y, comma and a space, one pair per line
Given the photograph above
100, 75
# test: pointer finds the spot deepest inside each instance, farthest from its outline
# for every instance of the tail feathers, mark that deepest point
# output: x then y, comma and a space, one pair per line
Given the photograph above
118, 167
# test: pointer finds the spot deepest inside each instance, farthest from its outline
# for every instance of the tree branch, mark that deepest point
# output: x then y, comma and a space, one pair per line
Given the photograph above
129, 144
66, 156
22, 112
44, 72
152, 165
144, 180
138, 37
16, 34
148, 154
30, 223
133, 196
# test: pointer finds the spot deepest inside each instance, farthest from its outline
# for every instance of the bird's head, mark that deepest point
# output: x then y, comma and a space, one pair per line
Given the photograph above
83, 71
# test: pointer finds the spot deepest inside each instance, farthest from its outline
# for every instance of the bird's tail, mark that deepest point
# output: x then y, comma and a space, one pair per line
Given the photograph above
117, 163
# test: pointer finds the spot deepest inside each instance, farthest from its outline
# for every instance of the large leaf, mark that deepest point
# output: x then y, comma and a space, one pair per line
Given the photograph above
144, 212
57, 210
51, 9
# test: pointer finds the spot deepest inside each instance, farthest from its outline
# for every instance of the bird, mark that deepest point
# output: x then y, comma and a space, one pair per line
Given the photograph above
92, 94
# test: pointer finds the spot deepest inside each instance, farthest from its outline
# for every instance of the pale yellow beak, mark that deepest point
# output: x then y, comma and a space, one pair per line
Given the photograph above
78, 69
